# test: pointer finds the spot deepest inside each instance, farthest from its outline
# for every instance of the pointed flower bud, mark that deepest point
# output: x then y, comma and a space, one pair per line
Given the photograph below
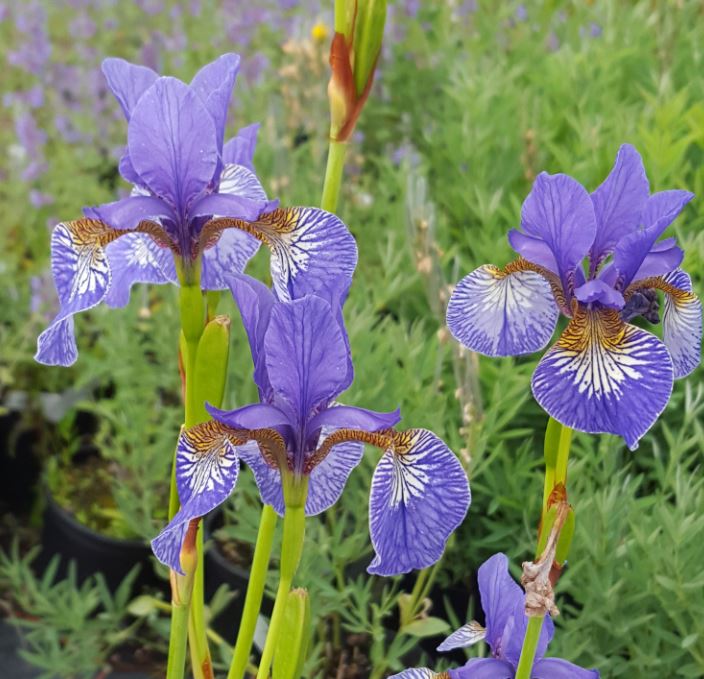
211, 365
293, 644
359, 29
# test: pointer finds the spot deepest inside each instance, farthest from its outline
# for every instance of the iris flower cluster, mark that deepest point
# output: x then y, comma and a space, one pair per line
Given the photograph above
299, 433
596, 259
197, 211
196, 215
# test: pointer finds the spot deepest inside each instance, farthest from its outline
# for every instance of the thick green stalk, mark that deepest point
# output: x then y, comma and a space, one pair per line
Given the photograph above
530, 644
177, 641
295, 491
333, 175
255, 592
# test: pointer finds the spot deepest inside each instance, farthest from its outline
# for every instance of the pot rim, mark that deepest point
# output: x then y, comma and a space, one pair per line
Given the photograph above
86, 531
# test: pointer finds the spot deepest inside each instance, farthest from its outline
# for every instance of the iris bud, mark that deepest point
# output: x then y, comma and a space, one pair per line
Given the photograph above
293, 643
359, 30
212, 356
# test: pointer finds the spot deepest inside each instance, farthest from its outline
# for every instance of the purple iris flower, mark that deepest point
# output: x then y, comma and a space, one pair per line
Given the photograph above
298, 432
597, 259
197, 212
503, 602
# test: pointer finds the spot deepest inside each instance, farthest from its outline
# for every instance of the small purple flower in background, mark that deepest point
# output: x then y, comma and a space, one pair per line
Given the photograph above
196, 207
503, 602
604, 375
298, 433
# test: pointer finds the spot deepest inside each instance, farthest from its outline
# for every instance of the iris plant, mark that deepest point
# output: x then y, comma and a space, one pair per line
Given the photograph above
196, 213
596, 259
503, 602
299, 441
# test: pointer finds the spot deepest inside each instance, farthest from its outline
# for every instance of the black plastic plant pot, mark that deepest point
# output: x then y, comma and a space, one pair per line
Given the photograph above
92, 552
19, 465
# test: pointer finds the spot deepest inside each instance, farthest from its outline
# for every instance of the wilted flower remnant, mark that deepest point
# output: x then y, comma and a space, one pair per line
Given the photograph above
503, 602
298, 436
604, 374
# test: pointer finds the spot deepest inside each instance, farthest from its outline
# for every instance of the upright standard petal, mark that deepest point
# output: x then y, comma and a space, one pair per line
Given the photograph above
82, 277
255, 302
500, 595
559, 211
306, 356
556, 668
240, 149
126, 213
207, 467
618, 202
632, 251
172, 142
502, 314
213, 84
136, 258
311, 249
419, 495
128, 82
682, 323
605, 376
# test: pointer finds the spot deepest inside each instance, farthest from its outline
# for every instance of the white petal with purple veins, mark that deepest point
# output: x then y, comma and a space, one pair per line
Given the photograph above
682, 324
605, 376
502, 314
419, 495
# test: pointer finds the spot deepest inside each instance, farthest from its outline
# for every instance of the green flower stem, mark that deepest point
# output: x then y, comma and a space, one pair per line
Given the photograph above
177, 641
192, 312
333, 175
295, 492
558, 439
530, 644
255, 592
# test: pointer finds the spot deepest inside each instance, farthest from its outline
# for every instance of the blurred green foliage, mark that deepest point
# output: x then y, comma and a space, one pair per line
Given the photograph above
471, 102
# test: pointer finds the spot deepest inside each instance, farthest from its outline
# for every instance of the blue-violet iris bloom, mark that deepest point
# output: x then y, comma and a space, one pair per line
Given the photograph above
301, 357
503, 602
597, 259
197, 212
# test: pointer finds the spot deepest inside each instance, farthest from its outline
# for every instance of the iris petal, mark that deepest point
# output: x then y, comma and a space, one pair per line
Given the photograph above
682, 324
484, 668
240, 149
306, 356
502, 314
207, 466
604, 376
327, 480
419, 496
128, 82
136, 258
465, 636
172, 143
415, 673
559, 211
82, 277
556, 668
311, 249
618, 202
